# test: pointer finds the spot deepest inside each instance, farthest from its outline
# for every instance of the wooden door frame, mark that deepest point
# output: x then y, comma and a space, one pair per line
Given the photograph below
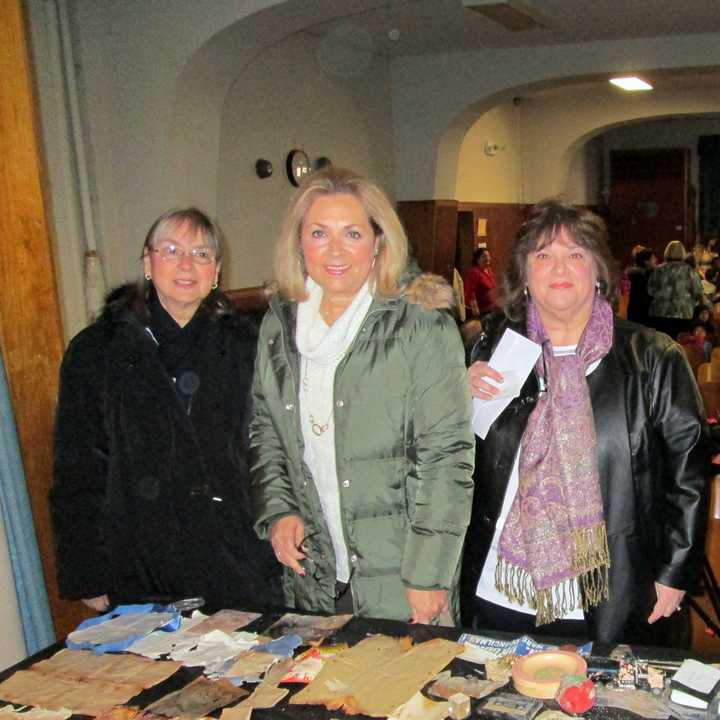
31, 335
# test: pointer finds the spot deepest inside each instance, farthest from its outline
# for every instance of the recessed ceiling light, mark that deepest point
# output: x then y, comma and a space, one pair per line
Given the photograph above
631, 83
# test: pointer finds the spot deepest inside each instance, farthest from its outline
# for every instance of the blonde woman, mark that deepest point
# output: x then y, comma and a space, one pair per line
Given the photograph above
361, 441
676, 291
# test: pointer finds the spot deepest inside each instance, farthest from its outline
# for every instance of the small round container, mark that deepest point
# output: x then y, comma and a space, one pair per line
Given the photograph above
539, 675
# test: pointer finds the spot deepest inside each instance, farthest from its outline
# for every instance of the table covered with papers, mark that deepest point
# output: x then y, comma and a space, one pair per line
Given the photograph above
146, 664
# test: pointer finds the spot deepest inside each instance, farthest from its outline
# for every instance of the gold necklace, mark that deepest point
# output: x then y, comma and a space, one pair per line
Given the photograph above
317, 427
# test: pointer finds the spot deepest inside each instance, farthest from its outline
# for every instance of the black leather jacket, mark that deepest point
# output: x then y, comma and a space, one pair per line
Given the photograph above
653, 456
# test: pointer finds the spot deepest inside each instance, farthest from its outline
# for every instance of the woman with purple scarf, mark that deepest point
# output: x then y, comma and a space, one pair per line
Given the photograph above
590, 502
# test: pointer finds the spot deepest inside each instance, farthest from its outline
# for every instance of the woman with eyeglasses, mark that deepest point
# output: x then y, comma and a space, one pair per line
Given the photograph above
150, 493
361, 440
591, 484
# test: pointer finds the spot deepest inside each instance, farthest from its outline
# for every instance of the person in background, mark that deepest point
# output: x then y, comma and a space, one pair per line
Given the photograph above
676, 291
703, 316
591, 500
638, 275
712, 274
150, 496
480, 285
697, 338
361, 439
704, 251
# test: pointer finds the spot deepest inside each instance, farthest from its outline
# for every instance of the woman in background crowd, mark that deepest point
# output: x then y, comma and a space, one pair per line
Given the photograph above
639, 274
590, 508
150, 494
676, 291
480, 285
704, 251
362, 447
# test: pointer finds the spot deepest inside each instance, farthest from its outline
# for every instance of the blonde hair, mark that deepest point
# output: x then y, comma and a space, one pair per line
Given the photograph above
674, 250
391, 240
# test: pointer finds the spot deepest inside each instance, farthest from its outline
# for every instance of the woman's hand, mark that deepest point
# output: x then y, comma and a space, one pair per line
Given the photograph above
426, 605
99, 604
479, 387
668, 601
286, 537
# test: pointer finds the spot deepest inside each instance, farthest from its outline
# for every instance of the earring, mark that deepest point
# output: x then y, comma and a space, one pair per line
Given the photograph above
214, 285
598, 287
526, 293
147, 276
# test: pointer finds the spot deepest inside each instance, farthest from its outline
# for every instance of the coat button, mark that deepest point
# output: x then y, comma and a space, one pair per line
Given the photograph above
289, 406
340, 403
346, 483
271, 341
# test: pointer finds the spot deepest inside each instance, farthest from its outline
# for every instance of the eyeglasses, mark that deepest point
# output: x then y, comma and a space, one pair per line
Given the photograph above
173, 253
313, 571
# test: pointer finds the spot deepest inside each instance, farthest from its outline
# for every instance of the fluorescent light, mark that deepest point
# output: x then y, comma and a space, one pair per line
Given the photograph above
631, 83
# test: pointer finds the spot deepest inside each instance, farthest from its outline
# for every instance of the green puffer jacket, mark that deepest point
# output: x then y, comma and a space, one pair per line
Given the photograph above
404, 450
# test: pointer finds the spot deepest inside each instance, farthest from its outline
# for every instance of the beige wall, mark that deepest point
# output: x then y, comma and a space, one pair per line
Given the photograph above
285, 100
159, 85
553, 144
436, 99
492, 178
556, 128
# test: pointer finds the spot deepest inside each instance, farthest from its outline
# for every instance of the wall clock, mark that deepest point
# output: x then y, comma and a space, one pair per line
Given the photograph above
298, 166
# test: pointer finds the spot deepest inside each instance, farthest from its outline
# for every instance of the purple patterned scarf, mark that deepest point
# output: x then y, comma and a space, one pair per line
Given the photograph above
556, 529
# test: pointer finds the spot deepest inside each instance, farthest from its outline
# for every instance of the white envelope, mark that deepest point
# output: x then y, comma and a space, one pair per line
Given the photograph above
515, 356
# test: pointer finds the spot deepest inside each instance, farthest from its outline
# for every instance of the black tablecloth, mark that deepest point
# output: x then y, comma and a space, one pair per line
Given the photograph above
353, 632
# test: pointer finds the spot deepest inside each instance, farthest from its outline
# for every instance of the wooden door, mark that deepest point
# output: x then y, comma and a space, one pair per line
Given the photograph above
30, 330
431, 227
466, 241
649, 200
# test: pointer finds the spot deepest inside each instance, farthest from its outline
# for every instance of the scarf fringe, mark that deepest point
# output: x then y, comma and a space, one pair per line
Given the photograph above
591, 565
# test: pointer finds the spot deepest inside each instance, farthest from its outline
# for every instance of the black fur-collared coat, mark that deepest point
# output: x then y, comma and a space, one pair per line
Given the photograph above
150, 492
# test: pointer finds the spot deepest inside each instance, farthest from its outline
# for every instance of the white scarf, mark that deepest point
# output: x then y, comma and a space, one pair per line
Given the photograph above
321, 350
335, 342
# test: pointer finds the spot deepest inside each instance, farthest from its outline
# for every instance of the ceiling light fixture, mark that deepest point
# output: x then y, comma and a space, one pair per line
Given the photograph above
631, 84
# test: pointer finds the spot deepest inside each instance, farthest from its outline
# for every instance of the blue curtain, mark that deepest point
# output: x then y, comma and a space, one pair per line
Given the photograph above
24, 554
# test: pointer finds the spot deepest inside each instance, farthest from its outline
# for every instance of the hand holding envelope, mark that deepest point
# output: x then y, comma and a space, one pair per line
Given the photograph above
514, 357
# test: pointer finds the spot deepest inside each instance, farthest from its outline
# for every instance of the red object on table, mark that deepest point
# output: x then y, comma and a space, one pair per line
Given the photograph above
576, 694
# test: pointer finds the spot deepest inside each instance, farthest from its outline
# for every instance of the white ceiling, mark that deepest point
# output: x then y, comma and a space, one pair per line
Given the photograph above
433, 26
362, 28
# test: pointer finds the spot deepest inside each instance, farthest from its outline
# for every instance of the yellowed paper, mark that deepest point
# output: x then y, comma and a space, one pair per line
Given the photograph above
346, 668
383, 690
265, 696
110, 667
8, 712
225, 620
85, 683
251, 664
53, 692
418, 707
378, 675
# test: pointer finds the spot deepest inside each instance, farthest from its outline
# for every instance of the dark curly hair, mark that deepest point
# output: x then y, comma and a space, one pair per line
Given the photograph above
545, 221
